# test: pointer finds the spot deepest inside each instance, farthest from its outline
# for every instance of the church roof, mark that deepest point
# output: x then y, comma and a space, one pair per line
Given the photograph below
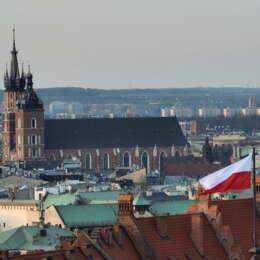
112, 132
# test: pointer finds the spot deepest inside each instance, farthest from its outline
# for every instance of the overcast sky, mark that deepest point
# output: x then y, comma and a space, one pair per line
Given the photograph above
135, 43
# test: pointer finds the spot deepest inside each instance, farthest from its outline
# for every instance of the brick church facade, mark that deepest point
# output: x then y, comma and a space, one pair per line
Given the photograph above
99, 143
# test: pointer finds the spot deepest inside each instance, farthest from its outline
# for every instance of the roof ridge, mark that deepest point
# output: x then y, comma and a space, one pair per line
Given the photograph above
97, 247
137, 238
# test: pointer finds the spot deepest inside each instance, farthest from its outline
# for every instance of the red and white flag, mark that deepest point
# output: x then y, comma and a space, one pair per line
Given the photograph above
233, 177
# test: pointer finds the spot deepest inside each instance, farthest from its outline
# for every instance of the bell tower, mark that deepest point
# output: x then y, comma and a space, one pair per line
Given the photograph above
22, 117
14, 85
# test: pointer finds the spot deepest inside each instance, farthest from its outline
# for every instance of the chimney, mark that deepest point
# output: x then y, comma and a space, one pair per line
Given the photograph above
203, 202
118, 234
161, 226
197, 232
109, 237
125, 204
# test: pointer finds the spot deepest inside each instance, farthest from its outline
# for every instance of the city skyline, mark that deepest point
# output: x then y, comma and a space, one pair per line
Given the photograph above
135, 45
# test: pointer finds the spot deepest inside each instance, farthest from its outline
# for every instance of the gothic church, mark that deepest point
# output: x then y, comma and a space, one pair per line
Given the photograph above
99, 143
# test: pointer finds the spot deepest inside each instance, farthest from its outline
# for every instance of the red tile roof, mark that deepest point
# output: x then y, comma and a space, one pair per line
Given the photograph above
238, 215
190, 169
214, 230
178, 244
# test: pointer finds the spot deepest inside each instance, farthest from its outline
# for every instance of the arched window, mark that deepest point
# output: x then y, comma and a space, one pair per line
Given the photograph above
162, 161
33, 123
106, 161
145, 161
34, 139
126, 159
88, 162
52, 157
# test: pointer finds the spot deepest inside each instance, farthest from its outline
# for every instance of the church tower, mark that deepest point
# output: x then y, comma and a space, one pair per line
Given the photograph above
23, 116
14, 90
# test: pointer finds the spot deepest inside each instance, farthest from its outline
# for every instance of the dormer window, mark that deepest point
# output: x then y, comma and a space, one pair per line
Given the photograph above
33, 123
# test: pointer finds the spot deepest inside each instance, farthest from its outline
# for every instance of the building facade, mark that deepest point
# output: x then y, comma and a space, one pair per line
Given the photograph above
99, 143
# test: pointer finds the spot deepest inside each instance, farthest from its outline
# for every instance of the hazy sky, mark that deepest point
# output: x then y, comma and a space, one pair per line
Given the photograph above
135, 43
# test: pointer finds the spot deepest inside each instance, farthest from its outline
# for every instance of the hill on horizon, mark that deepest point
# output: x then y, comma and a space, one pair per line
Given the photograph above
192, 97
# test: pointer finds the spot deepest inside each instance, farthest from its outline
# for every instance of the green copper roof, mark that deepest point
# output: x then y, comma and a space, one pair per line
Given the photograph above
88, 215
170, 207
100, 197
61, 199
29, 238
141, 201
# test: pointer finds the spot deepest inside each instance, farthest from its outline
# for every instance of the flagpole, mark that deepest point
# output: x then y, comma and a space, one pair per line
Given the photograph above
254, 201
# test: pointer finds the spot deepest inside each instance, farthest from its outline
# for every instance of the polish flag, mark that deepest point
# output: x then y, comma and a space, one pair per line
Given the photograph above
233, 177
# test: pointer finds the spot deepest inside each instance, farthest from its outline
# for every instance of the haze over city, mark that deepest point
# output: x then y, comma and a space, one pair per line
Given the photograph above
135, 44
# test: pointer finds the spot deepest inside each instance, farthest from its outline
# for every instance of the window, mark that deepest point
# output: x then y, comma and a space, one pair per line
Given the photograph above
126, 159
34, 153
19, 125
39, 139
145, 161
39, 152
106, 161
28, 140
88, 162
33, 123
29, 152
19, 139
34, 139
162, 162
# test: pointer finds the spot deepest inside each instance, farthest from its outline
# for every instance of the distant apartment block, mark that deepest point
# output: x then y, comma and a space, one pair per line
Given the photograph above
184, 112
209, 112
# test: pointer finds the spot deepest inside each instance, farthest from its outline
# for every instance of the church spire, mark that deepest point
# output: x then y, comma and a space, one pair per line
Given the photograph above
14, 72
6, 71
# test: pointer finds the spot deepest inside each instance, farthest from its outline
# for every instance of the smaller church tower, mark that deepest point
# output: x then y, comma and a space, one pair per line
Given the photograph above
29, 123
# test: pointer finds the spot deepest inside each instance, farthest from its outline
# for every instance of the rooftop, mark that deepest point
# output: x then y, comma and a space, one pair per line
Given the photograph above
30, 238
210, 230
170, 207
99, 197
88, 215
141, 201
112, 132
190, 169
